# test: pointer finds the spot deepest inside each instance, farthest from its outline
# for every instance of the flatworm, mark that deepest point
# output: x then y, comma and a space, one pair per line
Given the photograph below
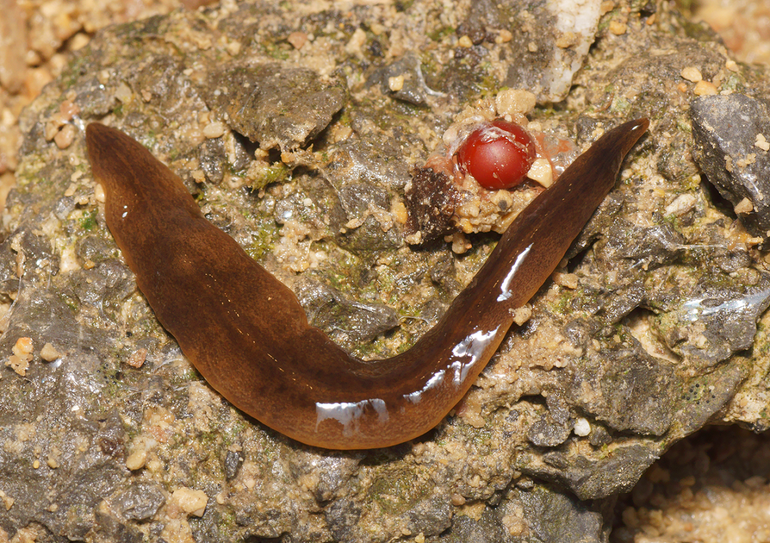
248, 336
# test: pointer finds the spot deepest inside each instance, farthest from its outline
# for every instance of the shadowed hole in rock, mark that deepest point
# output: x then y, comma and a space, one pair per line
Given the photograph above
575, 260
720, 202
715, 474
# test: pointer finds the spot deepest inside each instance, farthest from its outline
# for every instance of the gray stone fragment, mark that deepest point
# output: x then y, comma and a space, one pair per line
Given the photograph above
538, 59
275, 104
555, 516
546, 432
139, 502
430, 516
233, 462
647, 247
627, 389
374, 156
726, 129
356, 202
342, 517
113, 530
617, 471
412, 89
719, 316
211, 153
344, 320
708, 395
330, 472
483, 22
487, 529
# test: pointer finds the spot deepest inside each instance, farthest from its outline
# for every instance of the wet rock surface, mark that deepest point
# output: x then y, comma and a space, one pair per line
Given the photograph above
732, 151
655, 334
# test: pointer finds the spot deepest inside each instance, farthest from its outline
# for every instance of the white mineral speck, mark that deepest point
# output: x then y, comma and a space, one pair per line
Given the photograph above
582, 427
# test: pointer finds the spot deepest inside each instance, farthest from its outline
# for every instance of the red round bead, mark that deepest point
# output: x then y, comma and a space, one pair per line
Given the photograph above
498, 155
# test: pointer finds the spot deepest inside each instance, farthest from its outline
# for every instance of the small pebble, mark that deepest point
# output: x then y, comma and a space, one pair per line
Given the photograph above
703, 88
192, 502
136, 460
297, 39
214, 130
465, 41
744, 206
541, 172
396, 83
582, 427
567, 39
137, 358
503, 37
124, 93
65, 137
22, 356
512, 101
522, 314
618, 27
691, 73
49, 353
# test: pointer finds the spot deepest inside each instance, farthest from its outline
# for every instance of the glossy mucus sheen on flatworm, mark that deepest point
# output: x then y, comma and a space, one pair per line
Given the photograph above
250, 339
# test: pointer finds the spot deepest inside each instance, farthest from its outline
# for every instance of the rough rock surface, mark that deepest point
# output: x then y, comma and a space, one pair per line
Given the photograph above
733, 153
656, 337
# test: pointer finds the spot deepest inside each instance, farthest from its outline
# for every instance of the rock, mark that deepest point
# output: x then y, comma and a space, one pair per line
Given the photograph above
273, 103
553, 516
189, 501
430, 198
139, 502
404, 80
552, 46
346, 321
546, 432
632, 378
719, 318
233, 463
732, 151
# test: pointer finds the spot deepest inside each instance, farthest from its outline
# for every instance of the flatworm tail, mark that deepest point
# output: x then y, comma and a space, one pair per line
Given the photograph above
250, 339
